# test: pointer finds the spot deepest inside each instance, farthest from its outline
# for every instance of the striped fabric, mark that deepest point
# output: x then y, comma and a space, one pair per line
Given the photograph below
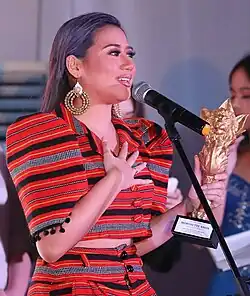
45, 163
54, 160
102, 272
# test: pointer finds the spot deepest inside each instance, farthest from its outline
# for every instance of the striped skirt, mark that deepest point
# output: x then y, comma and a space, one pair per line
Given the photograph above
87, 271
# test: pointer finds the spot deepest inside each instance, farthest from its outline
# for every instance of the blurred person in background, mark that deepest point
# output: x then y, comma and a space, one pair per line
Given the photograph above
236, 219
17, 253
3, 200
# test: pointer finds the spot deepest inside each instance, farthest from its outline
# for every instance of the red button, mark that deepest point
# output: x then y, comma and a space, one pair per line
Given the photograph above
137, 218
137, 203
134, 187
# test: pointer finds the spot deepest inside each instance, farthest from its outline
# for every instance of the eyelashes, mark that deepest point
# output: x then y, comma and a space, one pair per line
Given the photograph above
116, 53
247, 97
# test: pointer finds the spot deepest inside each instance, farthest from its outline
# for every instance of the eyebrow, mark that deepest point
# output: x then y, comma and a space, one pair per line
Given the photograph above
245, 88
118, 45
241, 88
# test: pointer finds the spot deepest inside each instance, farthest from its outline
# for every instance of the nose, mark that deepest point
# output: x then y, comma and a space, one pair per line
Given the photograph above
235, 101
236, 104
127, 63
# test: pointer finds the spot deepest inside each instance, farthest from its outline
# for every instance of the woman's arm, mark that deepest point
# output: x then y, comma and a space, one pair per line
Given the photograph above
85, 213
161, 226
161, 229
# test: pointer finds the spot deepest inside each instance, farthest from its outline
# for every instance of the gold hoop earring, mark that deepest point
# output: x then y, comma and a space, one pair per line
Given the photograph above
116, 111
77, 93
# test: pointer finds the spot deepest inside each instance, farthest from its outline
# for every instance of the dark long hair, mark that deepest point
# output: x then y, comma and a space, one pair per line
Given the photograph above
74, 37
243, 64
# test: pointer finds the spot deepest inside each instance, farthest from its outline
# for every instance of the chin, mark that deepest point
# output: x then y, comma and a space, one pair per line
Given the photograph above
122, 96
117, 94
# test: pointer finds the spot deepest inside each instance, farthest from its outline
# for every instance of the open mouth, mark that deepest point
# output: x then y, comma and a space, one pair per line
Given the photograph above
125, 80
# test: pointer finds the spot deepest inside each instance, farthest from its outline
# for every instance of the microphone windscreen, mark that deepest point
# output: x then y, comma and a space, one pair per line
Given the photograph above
139, 91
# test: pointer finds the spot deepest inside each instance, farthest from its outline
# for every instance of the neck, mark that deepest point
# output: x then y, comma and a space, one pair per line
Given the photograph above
97, 118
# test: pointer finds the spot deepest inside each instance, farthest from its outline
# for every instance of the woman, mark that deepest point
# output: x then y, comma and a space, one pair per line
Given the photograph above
93, 186
237, 211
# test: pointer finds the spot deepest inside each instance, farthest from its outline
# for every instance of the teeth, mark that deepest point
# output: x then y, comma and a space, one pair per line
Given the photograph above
124, 79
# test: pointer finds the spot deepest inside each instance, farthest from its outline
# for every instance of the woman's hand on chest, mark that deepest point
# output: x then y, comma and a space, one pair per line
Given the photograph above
124, 164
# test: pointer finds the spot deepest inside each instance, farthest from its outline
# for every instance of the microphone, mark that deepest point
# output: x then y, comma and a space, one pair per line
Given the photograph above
143, 93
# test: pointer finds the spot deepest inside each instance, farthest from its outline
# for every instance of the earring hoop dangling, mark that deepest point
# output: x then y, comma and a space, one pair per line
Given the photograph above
77, 93
116, 111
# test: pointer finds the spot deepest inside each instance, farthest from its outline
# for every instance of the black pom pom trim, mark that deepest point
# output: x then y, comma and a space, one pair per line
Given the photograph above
67, 220
53, 231
46, 232
62, 230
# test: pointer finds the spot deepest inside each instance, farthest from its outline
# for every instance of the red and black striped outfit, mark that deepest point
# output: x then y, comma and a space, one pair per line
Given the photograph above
54, 160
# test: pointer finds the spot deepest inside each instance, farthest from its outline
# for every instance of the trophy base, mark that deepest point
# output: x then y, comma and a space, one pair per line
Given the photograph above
195, 231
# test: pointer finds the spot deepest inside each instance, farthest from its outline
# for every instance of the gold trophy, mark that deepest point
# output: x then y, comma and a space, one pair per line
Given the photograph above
225, 127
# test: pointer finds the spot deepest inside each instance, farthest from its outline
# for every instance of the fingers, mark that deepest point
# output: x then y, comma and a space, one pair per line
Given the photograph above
215, 185
105, 147
197, 168
221, 177
214, 194
142, 181
214, 201
132, 158
124, 151
236, 143
140, 167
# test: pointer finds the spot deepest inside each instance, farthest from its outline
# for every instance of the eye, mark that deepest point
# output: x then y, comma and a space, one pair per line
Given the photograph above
246, 97
114, 52
131, 54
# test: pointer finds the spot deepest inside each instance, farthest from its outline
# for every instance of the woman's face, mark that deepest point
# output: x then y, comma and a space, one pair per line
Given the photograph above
108, 69
240, 92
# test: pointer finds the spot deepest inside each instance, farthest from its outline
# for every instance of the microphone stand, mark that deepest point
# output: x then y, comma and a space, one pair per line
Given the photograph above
175, 138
